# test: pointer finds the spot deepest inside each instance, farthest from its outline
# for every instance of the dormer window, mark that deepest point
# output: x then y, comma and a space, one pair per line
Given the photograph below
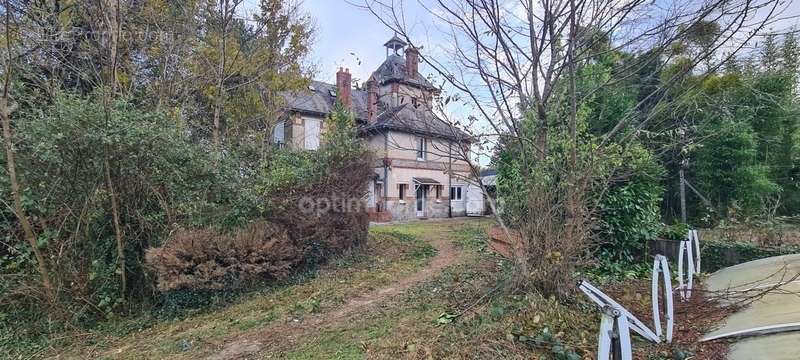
422, 148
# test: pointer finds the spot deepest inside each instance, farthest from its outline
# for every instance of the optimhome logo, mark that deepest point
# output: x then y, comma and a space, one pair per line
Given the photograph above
333, 204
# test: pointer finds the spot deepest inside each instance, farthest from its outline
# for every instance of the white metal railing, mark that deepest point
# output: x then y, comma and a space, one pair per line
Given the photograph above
688, 258
616, 322
661, 267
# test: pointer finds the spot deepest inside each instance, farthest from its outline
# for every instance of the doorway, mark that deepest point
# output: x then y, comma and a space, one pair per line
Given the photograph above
378, 195
421, 200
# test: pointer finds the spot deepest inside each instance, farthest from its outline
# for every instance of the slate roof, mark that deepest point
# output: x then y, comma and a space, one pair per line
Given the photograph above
420, 121
488, 172
320, 101
394, 69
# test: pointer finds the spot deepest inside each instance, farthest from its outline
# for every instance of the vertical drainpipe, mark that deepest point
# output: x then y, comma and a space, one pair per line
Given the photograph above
385, 170
449, 178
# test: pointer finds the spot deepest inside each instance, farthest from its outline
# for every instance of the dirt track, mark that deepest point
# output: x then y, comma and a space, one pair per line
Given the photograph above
288, 333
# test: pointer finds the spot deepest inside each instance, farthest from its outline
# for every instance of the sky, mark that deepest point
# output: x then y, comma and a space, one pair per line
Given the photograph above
350, 37
346, 37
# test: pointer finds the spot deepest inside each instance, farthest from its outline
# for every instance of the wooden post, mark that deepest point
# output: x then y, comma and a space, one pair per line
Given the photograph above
683, 193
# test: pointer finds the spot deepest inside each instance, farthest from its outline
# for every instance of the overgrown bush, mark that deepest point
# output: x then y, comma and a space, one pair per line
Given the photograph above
204, 259
616, 211
319, 195
676, 232
312, 207
63, 152
629, 213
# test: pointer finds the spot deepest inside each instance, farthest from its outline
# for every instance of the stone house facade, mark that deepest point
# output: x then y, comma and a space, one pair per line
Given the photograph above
419, 171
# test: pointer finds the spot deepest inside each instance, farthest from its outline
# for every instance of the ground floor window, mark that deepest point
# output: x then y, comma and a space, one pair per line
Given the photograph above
278, 135
455, 193
379, 197
402, 188
438, 191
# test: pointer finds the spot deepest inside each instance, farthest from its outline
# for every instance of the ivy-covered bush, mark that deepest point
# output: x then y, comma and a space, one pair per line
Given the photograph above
629, 214
66, 154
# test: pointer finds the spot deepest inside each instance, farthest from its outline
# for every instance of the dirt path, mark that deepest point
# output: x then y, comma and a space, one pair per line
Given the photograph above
288, 333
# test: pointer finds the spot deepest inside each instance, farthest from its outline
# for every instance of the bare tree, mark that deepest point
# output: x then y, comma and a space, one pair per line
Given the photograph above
516, 62
226, 9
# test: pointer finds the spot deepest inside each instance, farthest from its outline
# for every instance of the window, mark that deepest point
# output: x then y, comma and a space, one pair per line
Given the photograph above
414, 102
312, 133
455, 193
402, 188
422, 148
438, 191
379, 197
278, 134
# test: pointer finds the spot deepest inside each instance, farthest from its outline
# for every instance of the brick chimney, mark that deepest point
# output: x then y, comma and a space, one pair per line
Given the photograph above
412, 61
343, 87
372, 101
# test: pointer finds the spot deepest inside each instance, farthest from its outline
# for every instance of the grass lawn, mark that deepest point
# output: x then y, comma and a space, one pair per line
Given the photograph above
460, 311
387, 255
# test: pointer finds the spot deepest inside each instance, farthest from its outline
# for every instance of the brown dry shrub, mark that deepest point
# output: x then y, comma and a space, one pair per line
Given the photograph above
293, 237
556, 237
343, 223
204, 259
293, 233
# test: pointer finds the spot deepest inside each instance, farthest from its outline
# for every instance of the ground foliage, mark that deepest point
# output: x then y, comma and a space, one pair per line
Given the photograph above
172, 120
741, 126
736, 128
312, 206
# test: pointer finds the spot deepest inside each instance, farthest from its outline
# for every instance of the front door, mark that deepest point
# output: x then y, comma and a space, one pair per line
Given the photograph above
420, 200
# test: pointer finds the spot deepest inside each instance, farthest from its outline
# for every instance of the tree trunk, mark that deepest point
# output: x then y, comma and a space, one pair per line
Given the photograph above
541, 133
112, 20
5, 113
117, 229
219, 101
7, 107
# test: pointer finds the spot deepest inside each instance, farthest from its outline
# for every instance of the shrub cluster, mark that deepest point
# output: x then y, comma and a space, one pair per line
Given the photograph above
205, 259
310, 205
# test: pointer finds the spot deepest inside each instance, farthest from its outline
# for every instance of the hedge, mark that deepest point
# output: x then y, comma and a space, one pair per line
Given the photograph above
720, 254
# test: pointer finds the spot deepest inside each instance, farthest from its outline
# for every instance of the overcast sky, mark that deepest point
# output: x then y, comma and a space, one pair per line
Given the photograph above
353, 38
349, 37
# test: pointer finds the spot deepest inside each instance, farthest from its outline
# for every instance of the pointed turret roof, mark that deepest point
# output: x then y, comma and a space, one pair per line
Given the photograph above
395, 43
393, 69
